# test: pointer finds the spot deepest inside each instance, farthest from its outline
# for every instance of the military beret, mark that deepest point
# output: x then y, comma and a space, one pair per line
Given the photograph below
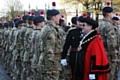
16, 19
30, 18
1, 25
6, 24
11, 23
38, 19
107, 9
74, 20
52, 12
25, 17
61, 20
80, 18
16, 24
67, 27
19, 22
115, 18
91, 22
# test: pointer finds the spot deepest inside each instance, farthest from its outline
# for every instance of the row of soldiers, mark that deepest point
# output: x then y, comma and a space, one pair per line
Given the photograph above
21, 50
31, 48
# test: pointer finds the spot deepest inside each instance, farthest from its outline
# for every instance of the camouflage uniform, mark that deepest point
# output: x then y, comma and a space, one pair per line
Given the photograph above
62, 33
1, 40
22, 36
109, 37
27, 52
5, 46
65, 73
8, 56
52, 49
36, 44
117, 29
11, 49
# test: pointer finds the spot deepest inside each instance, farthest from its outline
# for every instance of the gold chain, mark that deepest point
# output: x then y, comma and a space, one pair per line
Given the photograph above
81, 43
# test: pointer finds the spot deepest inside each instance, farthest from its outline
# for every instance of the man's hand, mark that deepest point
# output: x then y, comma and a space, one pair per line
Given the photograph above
63, 62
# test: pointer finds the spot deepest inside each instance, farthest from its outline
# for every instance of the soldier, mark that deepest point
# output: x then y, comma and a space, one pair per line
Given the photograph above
19, 48
36, 44
72, 40
61, 29
109, 37
6, 46
9, 55
26, 59
74, 21
23, 30
115, 19
52, 46
13, 47
1, 39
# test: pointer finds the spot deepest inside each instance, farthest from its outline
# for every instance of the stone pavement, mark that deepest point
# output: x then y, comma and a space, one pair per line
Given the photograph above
3, 75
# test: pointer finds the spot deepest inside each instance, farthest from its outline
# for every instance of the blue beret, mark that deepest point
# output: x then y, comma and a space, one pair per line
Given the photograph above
91, 22
61, 20
80, 18
25, 17
74, 20
16, 24
6, 24
38, 19
52, 12
67, 27
107, 9
30, 18
115, 18
16, 19
11, 23
19, 22
1, 25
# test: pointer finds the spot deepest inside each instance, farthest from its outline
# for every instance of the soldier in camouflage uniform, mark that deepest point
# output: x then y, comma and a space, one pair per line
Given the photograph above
1, 39
12, 47
27, 46
109, 36
9, 55
36, 44
61, 29
52, 46
18, 50
117, 29
22, 35
6, 44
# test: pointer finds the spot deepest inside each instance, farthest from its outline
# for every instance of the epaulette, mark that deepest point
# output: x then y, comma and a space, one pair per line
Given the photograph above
72, 28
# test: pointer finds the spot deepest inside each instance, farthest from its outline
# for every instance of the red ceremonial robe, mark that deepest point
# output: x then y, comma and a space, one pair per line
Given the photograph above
95, 59
91, 59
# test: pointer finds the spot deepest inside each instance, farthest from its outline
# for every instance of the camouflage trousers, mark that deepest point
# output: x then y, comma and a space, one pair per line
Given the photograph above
52, 67
113, 66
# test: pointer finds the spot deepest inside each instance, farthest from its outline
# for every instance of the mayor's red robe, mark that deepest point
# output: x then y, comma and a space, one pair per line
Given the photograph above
92, 59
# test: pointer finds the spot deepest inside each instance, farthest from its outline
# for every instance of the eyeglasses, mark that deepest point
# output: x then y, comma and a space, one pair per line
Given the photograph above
83, 25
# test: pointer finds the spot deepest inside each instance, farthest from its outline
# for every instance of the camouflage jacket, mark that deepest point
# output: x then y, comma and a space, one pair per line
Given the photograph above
109, 37
51, 38
26, 37
36, 46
